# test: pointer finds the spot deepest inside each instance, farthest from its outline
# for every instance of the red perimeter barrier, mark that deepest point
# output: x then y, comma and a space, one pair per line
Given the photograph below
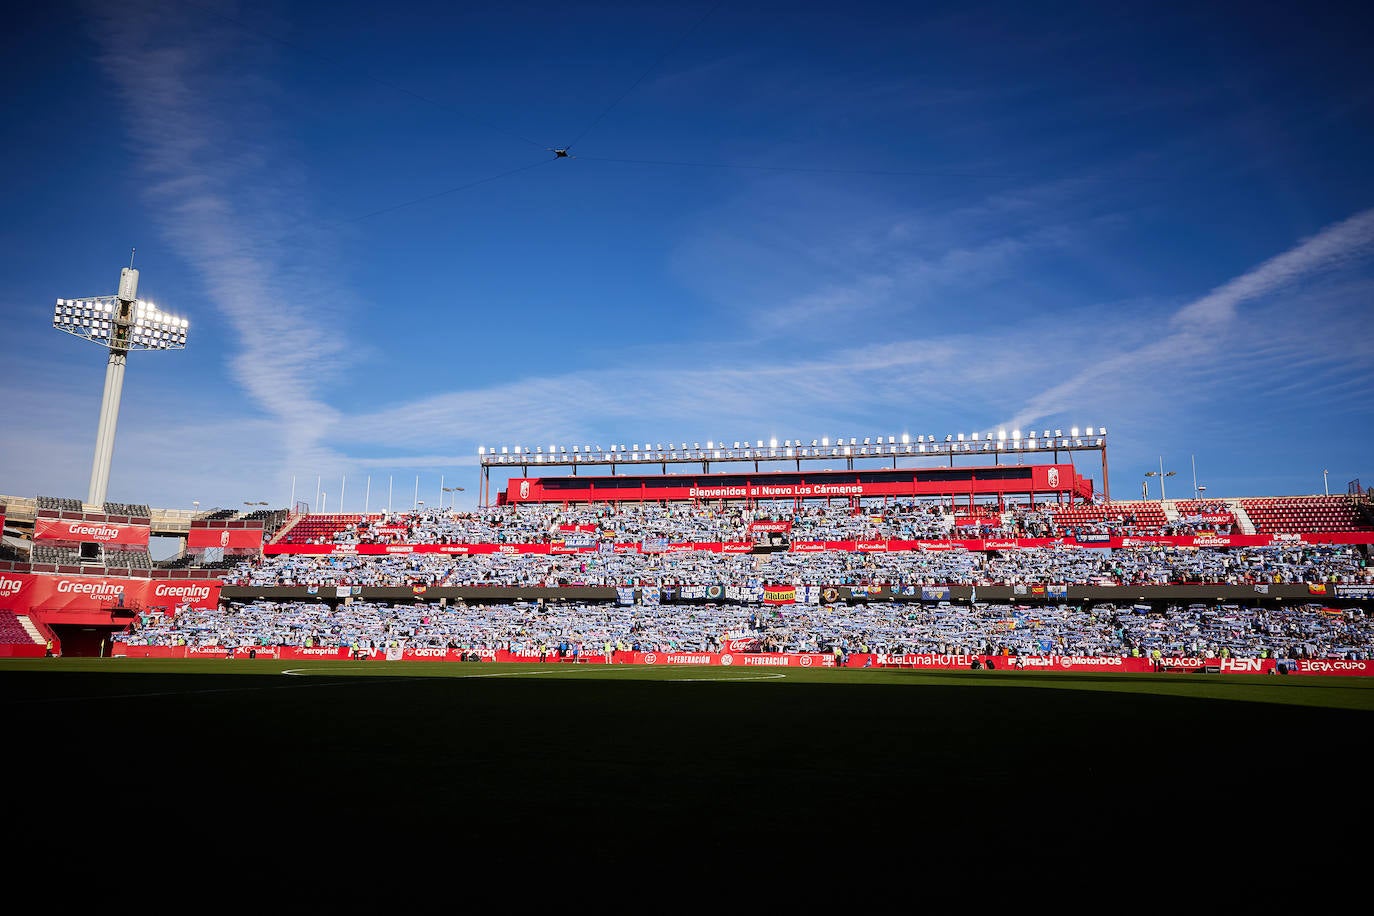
774, 661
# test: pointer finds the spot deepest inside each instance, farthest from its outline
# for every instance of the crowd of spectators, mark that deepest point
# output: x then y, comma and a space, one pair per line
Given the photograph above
871, 519
867, 519
535, 628
1284, 563
557, 626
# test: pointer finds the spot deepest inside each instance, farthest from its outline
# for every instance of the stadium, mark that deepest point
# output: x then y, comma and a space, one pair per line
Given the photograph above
679, 634
949, 278
650, 657
925, 552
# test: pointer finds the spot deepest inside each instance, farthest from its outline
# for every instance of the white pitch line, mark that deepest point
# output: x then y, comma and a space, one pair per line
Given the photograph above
307, 672
509, 674
760, 677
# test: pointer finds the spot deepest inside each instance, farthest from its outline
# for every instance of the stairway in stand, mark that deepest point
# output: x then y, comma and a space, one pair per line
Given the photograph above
286, 529
1243, 521
31, 628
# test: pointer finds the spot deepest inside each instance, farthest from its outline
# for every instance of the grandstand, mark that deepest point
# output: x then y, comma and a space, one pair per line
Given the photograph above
1128, 517
976, 549
316, 529
128, 559
1212, 513
272, 520
54, 555
129, 510
59, 503
1299, 514
19, 630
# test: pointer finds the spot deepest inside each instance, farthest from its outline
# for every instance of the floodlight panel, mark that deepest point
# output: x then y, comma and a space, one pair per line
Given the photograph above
95, 318
87, 318
154, 329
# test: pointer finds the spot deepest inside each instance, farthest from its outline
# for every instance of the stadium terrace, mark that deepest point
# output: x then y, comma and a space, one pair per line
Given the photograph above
817, 565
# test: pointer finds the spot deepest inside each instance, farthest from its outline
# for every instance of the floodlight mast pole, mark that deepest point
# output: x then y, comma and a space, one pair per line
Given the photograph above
114, 386
120, 323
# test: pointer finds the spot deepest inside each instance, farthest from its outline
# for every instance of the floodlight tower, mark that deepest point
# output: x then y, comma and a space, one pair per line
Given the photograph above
121, 323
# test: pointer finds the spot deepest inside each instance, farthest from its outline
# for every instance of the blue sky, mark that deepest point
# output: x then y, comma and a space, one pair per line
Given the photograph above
785, 220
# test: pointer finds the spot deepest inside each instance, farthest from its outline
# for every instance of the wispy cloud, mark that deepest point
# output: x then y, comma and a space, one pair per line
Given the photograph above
844, 308
775, 267
1196, 332
937, 383
1329, 249
675, 393
190, 94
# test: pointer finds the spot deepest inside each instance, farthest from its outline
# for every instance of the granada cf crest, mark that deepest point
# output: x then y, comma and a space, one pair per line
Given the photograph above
1053, 477
524, 489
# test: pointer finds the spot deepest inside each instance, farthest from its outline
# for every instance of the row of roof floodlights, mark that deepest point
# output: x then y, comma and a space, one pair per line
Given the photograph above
1092, 437
97, 319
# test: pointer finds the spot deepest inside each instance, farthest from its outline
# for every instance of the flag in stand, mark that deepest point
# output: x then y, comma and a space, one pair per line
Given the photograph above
779, 594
